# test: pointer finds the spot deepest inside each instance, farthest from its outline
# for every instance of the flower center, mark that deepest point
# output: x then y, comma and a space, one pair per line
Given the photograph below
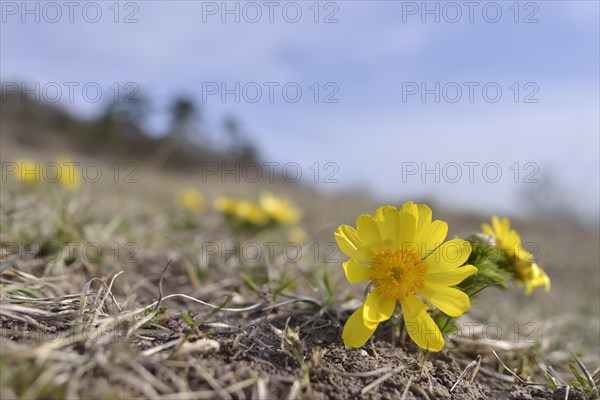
398, 274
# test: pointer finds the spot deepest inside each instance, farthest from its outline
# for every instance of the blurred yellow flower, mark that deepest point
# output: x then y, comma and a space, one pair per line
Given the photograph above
507, 239
279, 209
225, 205
28, 171
531, 276
247, 211
69, 176
268, 210
191, 199
241, 211
527, 272
297, 235
400, 252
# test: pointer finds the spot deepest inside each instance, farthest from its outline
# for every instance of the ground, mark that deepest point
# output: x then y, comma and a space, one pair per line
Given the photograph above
160, 312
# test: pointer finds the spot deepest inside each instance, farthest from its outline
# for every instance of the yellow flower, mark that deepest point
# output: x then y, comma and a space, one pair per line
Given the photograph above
225, 205
527, 272
269, 209
241, 211
507, 239
247, 211
279, 209
69, 174
28, 171
532, 276
191, 199
400, 252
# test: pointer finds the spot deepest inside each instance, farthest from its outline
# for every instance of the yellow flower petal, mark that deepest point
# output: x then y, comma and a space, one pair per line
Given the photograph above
380, 246
532, 276
378, 308
356, 272
350, 244
356, 332
387, 221
487, 229
519, 251
546, 281
451, 254
425, 215
367, 228
420, 326
410, 208
427, 235
412, 306
451, 301
501, 227
507, 239
407, 226
431, 236
449, 277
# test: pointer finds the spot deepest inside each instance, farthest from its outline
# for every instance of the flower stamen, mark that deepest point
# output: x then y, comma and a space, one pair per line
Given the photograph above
398, 274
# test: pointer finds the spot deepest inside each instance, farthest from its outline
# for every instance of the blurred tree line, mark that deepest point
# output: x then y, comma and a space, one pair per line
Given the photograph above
119, 132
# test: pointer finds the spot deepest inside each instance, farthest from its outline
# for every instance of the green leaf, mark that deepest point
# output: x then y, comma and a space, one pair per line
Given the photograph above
250, 283
590, 384
188, 320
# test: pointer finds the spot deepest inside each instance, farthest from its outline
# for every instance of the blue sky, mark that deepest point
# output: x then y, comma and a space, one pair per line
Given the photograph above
374, 50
